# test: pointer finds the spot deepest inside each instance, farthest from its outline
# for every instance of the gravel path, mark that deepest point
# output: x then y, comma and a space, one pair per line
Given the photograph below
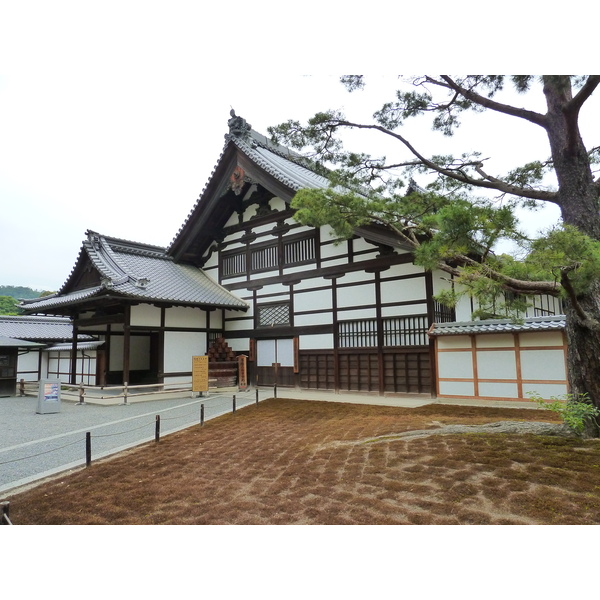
34, 446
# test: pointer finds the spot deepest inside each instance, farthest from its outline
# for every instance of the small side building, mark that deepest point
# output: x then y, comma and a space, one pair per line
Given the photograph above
42, 347
501, 359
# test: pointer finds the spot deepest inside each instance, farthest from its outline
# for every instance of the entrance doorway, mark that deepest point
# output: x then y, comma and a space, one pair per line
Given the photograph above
275, 362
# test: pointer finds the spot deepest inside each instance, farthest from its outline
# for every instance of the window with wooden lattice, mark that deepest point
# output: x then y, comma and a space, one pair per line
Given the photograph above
273, 315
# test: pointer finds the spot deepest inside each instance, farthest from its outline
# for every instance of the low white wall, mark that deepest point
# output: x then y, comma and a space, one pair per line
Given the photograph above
502, 366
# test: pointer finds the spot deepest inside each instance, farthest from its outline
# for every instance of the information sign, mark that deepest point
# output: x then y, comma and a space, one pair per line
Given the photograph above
49, 396
199, 373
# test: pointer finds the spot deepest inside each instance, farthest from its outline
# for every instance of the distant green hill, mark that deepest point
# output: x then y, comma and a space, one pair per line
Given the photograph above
19, 292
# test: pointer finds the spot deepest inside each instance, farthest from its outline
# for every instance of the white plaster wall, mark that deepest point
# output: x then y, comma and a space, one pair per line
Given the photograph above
333, 250
320, 299
400, 270
352, 315
316, 342
360, 245
275, 288
234, 245
181, 316
401, 291
239, 344
355, 277
298, 269
495, 340
277, 203
545, 390
145, 315
323, 318
334, 262
498, 390
263, 229
400, 311
28, 362
456, 388
212, 262
240, 324
496, 365
546, 338
440, 282
455, 365
180, 347
543, 364
453, 341
356, 296
216, 318
310, 284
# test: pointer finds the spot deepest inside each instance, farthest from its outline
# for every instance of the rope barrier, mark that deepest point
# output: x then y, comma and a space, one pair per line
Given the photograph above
202, 401
40, 453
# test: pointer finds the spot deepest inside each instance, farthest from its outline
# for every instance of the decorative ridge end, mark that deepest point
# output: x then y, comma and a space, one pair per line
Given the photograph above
238, 126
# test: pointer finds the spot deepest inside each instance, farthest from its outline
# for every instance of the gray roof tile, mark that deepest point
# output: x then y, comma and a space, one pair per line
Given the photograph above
38, 328
549, 323
141, 272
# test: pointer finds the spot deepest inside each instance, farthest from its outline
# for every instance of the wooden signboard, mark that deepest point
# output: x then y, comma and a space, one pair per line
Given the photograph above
242, 372
199, 373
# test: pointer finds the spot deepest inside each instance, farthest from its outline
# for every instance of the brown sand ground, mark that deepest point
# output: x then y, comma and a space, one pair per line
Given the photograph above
300, 462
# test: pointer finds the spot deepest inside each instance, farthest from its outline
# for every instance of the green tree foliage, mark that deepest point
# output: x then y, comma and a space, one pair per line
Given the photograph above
448, 225
9, 306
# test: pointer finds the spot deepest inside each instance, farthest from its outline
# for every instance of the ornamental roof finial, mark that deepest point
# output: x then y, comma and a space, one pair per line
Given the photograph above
238, 126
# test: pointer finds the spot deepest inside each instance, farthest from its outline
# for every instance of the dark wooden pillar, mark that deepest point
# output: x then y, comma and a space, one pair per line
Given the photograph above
73, 378
380, 336
161, 346
430, 320
336, 340
126, 344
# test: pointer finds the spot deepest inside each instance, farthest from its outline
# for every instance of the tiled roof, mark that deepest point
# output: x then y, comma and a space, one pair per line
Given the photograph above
9, 342
289, 168
549, 323
53, 329
282, 164
141, 272
80, 346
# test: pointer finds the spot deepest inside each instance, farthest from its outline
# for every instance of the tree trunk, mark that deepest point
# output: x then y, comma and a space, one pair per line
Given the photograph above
579, 203
583, 355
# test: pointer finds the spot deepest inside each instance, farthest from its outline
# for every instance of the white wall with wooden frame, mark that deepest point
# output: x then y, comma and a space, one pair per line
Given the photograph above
354, 328
502, 365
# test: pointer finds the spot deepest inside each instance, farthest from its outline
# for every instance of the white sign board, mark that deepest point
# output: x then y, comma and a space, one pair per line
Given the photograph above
49, 396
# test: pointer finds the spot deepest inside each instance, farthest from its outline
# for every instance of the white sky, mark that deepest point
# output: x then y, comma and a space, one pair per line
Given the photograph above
112, 115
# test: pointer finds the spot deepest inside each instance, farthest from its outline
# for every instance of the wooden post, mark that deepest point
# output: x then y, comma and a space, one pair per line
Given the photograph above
88, 449
126, 344
4, 517
74, 351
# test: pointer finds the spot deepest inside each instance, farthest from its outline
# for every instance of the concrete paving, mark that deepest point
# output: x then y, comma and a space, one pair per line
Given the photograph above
36, 446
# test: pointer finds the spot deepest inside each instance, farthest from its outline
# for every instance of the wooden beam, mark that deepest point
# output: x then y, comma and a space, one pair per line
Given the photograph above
126, 344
